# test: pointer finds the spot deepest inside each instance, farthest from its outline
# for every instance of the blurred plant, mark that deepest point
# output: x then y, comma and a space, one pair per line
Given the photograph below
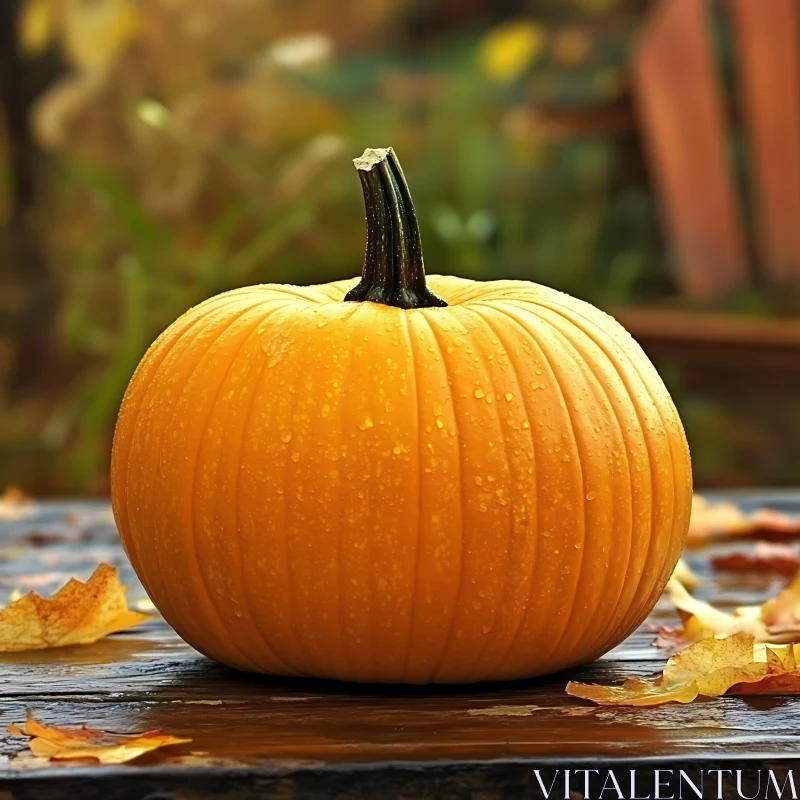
198, 145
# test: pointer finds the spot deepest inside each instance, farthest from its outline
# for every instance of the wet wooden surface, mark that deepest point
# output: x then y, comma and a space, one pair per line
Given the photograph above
265, 737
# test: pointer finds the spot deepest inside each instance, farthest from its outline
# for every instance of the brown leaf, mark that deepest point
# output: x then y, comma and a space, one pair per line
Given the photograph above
673, 640
777, 621
764, 557
56, 743
711, 667
78, 613
781, 615
714, 521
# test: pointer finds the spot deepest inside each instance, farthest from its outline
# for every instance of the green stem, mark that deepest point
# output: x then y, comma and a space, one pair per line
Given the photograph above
394, 272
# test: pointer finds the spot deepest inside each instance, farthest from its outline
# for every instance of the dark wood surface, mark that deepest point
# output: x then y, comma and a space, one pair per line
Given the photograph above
267, 737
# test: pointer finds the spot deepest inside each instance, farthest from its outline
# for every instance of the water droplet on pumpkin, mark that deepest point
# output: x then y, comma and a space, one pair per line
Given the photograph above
295, 457
591, 495
326, 409
525, 424
366, 424
479, 393
509, 396
439, 423
286, 437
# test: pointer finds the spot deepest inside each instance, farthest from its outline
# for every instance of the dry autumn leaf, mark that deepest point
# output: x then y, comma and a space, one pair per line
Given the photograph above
14, 504
53, 742
78, 613
781, 615
721, 520
673, 639
711, 667
684, 574
777, 621
764, 557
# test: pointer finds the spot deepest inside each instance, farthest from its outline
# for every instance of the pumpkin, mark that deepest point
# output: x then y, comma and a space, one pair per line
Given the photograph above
400, 479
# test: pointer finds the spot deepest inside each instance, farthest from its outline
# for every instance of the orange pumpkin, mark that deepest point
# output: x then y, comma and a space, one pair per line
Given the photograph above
375, 484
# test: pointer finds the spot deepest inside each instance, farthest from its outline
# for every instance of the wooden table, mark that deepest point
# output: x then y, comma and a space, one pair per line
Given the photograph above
279, 738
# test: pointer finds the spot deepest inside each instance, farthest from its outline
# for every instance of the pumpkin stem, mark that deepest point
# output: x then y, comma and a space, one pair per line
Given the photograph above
394, 273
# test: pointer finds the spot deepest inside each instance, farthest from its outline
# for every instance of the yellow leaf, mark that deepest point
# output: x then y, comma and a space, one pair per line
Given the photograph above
781, 615
97, 33
683, 574
777, 621
35, 26
509, 49
53, 742
712, 667
78, 613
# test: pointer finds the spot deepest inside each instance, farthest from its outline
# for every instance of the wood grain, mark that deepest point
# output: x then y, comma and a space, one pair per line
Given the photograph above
685, 133
256, 736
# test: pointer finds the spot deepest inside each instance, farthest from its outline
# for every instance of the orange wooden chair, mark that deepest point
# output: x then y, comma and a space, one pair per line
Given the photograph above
685, 128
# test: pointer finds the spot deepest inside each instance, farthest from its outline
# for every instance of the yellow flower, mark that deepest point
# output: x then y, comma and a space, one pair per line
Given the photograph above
35, 26
93, 34
96, 34
509, 49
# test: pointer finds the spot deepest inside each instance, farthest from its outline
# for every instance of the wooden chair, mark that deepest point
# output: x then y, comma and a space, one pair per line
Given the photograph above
686, 132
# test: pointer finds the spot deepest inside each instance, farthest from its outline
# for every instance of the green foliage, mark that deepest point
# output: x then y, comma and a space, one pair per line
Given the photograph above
188, 158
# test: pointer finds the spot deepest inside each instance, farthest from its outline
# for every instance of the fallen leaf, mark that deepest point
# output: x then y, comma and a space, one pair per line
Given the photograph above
56, 743
722, 520
712, 620
777, 621
684, 573
764, 557
14, 504
673, 639
711, 667
781, 615
78, 613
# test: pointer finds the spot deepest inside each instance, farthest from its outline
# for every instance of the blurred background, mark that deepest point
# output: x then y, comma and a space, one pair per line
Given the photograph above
641, 154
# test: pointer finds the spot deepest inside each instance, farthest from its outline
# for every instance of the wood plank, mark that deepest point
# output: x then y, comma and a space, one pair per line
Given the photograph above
685, 133
691, 327
768, 72
258, 736
715, 339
